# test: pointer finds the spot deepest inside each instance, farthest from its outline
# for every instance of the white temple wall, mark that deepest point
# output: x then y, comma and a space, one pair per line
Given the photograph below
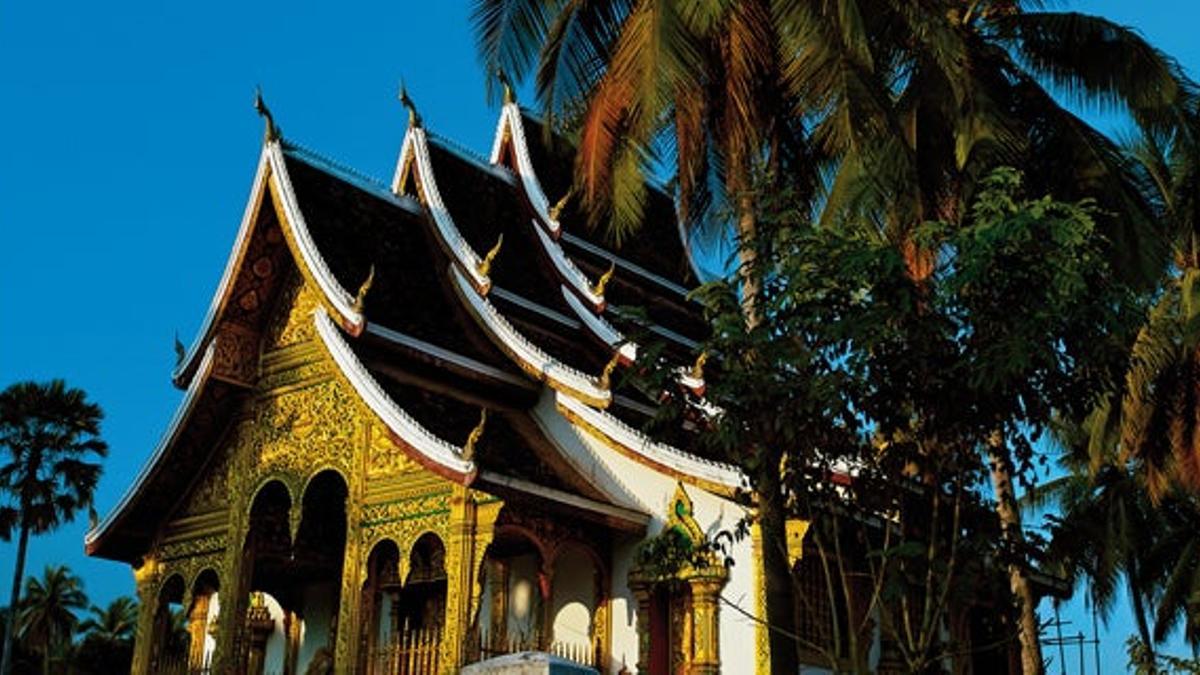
631, 483
574, 598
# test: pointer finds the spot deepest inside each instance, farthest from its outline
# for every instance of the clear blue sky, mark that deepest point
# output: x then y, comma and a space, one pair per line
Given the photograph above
127, 147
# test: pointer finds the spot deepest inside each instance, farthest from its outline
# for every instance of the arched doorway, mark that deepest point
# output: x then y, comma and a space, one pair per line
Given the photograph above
574, 601
381, 609
169, 640
514, 597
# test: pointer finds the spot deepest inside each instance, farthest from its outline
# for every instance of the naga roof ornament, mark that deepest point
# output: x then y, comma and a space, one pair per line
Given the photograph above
414, 117
271, 133
360, 298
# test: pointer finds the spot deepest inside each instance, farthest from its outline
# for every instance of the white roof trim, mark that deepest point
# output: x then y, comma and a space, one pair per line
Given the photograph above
227, 278
510, 117
628, 515
410, 342
665, 455
529, 355
602, 329
568, 271
339, 297
178, 421
401, 423
416, 148
623, 263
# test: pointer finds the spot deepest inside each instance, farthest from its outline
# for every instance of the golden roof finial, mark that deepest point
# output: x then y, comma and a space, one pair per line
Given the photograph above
557, 209
360, 299
602, 282
468, 451
180, 350
272, 131
509, 98
485, 265
698, 366
414, 117
606, 375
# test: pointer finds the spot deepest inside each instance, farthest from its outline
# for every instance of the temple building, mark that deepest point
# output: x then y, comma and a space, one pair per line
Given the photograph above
403, 445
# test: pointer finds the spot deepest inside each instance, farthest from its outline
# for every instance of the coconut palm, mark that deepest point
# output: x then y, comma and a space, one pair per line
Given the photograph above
903, 106
48, 433
48, 620
114, 623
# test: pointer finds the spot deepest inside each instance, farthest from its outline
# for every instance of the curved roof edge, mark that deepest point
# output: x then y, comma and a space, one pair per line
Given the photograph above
531, 358
510, 122
271, 174
428, 449
416, 151
182, 414
185, 369
714, 476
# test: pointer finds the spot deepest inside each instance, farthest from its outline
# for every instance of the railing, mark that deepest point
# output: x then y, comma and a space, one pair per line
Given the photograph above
411, 653
177, 664
491, 646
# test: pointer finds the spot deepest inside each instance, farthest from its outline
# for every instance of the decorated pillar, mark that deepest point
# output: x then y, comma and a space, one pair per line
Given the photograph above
235, 575
197, 629
642, 594
460, 559
146, 578
705, 585
350, 597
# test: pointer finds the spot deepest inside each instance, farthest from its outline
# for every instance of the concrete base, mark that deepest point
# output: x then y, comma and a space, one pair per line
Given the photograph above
528, 663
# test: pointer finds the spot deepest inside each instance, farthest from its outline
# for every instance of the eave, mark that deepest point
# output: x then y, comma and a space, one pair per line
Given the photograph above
715, 477
271, 175
95, 537
422, 445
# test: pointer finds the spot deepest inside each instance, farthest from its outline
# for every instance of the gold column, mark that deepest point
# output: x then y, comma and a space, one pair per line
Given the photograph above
705, 585
350, 597
198, 629
460, 561
146, 578
291, 631
235, 576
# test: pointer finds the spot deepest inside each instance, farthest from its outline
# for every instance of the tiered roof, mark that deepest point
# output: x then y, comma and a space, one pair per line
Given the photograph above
481, 294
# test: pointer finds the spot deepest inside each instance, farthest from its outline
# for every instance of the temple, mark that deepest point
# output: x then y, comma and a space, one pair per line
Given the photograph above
403, 445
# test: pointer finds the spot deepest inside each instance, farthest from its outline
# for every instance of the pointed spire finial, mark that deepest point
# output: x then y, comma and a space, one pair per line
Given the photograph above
509, 98
272, 131
557, 209
602, 282
606, 376
698, 366
180, 350
468, 451
360, 299
414, 117
485, 266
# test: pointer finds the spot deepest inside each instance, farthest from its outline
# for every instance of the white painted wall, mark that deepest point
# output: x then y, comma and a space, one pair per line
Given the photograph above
632, 484
574, 597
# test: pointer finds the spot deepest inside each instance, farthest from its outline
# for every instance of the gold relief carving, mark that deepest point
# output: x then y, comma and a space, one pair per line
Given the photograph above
416, 509
297, 431
293, 322
384, 458
191, 547
236, 357
303, 371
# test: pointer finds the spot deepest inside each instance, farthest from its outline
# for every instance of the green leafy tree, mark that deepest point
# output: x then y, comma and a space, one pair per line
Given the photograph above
48, 612
881, 115
884, 395
107, 644
49, 433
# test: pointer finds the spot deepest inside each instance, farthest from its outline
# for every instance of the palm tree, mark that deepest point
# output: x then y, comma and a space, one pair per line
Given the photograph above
49, 432
107, 646
114, 623
48, 619
902, 106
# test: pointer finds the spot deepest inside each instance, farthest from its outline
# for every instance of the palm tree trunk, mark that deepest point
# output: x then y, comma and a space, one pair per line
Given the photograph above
1010, 523
11, 626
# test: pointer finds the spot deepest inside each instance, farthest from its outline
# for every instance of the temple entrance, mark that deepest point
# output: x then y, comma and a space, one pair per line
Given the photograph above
293, 586
515, 593
405, 620
169, 638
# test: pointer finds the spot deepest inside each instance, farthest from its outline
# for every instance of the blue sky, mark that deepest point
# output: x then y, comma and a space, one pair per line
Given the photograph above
127, 148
